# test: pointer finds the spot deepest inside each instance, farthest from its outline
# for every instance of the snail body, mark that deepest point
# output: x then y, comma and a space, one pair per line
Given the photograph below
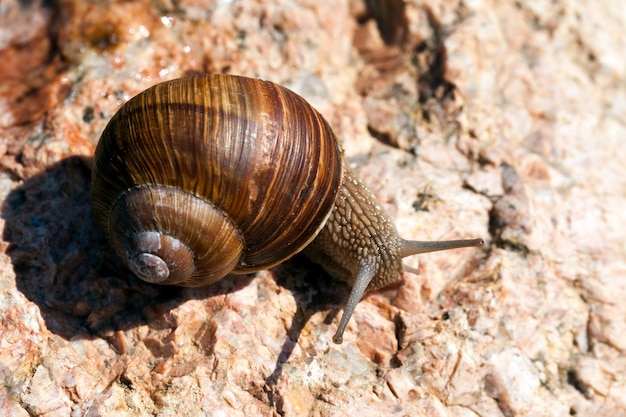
205, 176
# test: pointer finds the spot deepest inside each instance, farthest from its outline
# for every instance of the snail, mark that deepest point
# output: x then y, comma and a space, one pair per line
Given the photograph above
210, 175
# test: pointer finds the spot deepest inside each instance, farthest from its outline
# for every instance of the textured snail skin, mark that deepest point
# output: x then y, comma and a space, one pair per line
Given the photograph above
205, 176
360, 245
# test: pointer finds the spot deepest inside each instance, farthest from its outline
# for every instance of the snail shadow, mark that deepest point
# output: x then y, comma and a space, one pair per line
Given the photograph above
314, 291
63, 264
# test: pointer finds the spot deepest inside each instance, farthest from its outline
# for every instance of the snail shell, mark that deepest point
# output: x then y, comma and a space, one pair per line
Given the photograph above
205, 176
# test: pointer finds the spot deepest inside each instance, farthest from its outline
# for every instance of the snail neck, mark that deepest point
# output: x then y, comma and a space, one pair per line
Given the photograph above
358, 234
358, 244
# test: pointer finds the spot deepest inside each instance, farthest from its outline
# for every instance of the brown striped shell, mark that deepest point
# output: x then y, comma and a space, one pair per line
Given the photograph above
204, 176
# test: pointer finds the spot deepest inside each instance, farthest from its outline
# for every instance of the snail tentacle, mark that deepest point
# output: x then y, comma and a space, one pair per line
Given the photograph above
415, 247
365, 275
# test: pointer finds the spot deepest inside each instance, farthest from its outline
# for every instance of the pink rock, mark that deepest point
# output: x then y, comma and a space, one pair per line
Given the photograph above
505, 121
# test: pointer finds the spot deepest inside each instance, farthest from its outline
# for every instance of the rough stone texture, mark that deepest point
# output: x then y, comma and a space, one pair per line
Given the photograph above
499, 118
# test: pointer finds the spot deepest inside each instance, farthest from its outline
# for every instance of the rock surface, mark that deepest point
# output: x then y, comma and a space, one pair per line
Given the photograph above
499, 119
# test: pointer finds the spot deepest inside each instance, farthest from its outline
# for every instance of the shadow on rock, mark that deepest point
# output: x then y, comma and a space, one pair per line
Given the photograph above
314, 291
63, 264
